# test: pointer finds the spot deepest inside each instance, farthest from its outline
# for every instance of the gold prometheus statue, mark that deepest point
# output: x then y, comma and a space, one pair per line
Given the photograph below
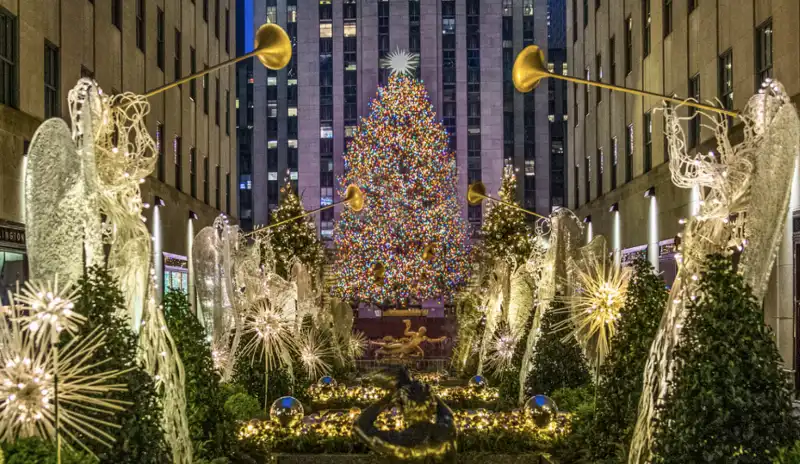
407, 346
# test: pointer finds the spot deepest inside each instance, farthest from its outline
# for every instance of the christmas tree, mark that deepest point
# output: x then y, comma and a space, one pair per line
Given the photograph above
505, 232
729, 400
557, 363
411, 224
297, 238
621, 375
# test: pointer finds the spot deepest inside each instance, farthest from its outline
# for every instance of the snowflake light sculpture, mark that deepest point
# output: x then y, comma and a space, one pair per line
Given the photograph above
27, 388
595, 307
271, 331
314, 350
48, 309
357, 345
501, 351
400, 62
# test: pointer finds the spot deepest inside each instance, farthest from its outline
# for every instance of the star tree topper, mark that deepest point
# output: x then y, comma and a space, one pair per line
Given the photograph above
400, 62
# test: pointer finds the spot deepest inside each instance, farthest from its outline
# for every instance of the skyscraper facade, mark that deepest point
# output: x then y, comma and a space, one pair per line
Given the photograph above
304, 115
709, 51
125, 46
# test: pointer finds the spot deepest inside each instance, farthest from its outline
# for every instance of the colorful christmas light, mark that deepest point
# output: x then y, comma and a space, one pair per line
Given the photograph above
400, 159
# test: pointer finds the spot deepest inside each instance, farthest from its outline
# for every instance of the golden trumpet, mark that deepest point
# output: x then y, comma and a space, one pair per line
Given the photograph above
353, 198
428, 253
529, 68
477, 193
272, 47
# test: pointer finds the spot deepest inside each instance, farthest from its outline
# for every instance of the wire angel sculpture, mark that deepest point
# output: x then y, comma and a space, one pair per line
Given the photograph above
559, 238
83, 193
736, 211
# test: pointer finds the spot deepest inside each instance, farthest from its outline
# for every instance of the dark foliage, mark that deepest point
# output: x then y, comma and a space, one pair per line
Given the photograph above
140, 439
621, 375
36, 450
729, 400
248, 373
211, 429
557, 363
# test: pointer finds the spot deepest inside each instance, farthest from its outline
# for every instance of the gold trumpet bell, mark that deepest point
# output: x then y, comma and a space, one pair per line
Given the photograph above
273, 46
378, 272
428, 253
529, 69
354, 197
476, 193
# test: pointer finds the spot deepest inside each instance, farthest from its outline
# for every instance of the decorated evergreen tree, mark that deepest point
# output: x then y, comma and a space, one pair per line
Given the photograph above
140, 439
621, 375
211, 429
557, 363
505, 232
410, 240
296, 238
729, 400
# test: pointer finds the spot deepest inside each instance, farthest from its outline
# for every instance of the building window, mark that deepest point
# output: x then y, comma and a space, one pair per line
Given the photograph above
227, 31
599, 67
218, 180
613, 163
600, 171
587, 173
177, 55
206, 171
178, 158
116, 13
646, 18
667, 17
612, 68
193, 69
8, 58
648, 141
576, 183
629, 153
694, 123
628, 45
160, 31
216, 19
51, 79
227, 112
588, 75
575, 102
216, 103
585, 13
193, 171
764, 52
205, 91
228, 192
575, 21
726, 79
140, 28
160, 150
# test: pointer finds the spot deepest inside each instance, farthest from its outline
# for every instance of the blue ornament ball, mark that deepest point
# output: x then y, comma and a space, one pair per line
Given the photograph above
541, 409
286, 411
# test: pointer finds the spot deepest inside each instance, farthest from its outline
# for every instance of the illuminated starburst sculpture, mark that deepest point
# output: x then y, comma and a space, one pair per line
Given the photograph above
314, 350
501, 349
400, 62
357, 345
271, 330
28, 373
48, 309
595, 306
